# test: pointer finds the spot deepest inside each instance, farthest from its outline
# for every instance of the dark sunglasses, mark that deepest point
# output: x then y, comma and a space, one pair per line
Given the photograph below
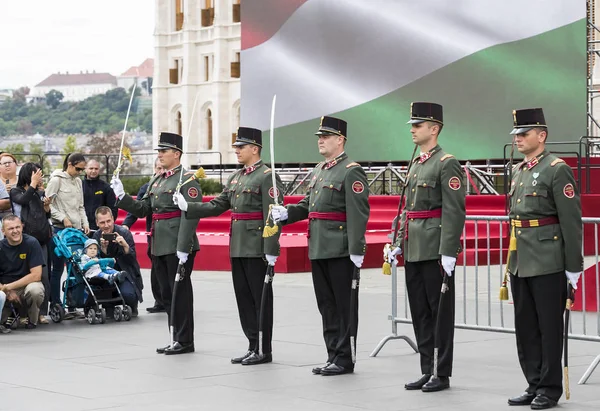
79, 169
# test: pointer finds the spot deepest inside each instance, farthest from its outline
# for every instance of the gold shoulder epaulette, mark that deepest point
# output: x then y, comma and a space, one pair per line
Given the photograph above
446, 156
555, 162
352, 165
267, 170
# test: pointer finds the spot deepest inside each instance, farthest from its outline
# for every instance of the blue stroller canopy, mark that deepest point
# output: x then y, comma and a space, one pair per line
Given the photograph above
68, 241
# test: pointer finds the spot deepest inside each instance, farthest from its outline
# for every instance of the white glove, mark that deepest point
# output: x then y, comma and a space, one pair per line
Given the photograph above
180, 202
357, 259
279, 213
182, 257
396, 251
117, 187
573, 278
271, 259
448, 263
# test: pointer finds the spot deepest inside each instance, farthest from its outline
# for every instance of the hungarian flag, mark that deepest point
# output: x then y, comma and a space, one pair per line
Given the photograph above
366, 61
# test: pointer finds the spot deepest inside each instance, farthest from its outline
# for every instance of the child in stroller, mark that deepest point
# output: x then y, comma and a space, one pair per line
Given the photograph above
93, 294
98, 267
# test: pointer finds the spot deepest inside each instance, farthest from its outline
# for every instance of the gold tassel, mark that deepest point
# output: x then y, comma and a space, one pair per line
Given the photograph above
200, 173
512, 246
387, 267
270, 231
127, 154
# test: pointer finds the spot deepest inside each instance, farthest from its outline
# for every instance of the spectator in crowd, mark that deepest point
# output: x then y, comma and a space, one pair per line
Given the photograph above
129, 220
121, 247
98, 267
35, 212
8, 175
67, 210
5, 207
3, 329
96, 193
21, 264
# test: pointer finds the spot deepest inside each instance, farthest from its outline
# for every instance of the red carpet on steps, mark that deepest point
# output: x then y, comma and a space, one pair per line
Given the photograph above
214, 241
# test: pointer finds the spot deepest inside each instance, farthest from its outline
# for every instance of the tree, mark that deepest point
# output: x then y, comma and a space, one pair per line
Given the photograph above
53, 98
15, 150
21, 93
70, 145
37, 152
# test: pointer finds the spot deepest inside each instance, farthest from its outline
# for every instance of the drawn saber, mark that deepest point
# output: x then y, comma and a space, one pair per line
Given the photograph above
120, 163
270, 231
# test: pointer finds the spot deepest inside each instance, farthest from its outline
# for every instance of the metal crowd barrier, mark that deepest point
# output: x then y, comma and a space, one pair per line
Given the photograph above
478, 306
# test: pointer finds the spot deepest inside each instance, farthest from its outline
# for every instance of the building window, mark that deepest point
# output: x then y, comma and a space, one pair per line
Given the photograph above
236, 11
207, 13
178, 15
208, 67
235, 66
236, 123
176, 73
178, 124
209, 130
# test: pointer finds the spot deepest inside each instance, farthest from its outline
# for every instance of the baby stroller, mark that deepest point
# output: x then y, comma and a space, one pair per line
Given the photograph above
80, 292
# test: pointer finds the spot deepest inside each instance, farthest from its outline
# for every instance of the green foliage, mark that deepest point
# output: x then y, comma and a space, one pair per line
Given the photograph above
103, 113
70, 146
53, 98
132, 185
210, 187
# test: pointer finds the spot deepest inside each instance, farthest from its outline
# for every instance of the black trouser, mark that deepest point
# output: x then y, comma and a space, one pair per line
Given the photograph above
424, 284
154, 284
539, 307
248, 279
332, 280
166, 269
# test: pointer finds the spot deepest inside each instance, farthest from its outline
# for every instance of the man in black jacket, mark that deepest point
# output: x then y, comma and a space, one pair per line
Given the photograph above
96, 193
122, 249
129, 220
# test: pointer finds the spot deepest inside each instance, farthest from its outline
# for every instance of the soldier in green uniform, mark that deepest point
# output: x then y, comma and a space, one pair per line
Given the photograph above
337, 206
545, 213
248, 194
431, 225
174, 239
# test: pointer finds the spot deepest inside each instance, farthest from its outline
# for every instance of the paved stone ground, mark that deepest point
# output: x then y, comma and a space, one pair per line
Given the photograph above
76, 366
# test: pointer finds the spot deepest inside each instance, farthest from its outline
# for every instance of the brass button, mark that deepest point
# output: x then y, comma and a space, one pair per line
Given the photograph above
520, 184
413, 190
320, 179
412, 219
424, 184
236, 208
519, 232
313, 204
330, 185
236, 220
341, 227
519, 200
412, 204
317, 192
155, 196
237, 196
260, 228
555, 237
534, 193
414, 175
517, 217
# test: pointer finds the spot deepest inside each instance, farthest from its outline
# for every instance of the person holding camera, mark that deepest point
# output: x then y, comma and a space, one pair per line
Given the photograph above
35, 212
117, 242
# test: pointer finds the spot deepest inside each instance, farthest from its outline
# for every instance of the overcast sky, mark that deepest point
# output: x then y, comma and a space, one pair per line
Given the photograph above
41, 37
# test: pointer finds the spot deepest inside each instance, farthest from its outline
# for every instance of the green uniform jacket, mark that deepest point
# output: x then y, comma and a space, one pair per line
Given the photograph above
338, 186
545, 189
174, 234
245, 192
434, 182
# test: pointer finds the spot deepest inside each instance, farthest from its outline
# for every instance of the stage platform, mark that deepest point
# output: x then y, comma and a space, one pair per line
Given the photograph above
480, 247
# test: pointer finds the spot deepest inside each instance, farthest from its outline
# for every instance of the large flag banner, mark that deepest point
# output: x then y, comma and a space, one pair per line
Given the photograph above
365, 61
